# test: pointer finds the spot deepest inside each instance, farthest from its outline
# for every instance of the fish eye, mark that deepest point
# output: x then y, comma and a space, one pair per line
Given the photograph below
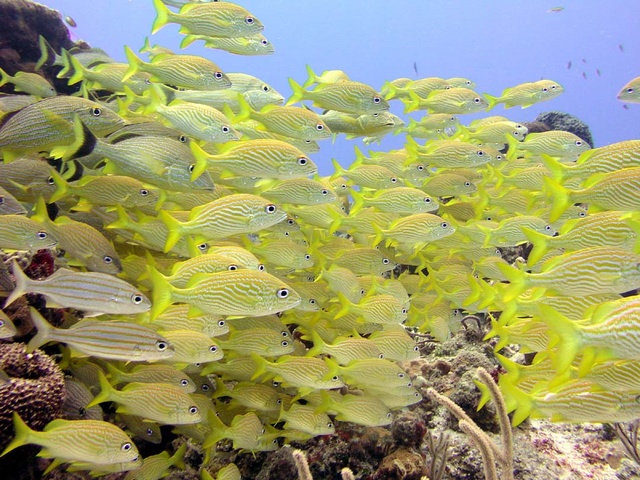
261, 268
82, 411
388, 414
476, 100
264, 41
271, 208
161, 345
381, 356
312, 301
1, 200
552, 87
376, 99
265, 88
147, 81
480, 153
307, 257
324, 191
404, 310
137, 298
283, 293
416, 349
578, 143
401, 375
96, 111
582, 214
126, 447
213, 348
183, 138
193, 410
291, 221
275, 384
386, 261
427, 200
41, 235
191, 167
202, 247
218, 75
444, 225
319, 127
149, 432
629, 90
329, 425
204, 387
420, 168
107, 259
225, 129
279, 401
284, 343
284, 333
50, 181
249, 20
144, 192
221, 323
335, 378
394, 179
302, 160
547, 228
232, 267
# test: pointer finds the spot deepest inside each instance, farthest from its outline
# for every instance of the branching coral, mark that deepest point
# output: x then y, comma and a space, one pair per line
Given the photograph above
490, 451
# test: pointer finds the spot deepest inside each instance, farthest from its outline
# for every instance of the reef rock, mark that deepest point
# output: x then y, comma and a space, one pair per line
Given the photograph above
568, 123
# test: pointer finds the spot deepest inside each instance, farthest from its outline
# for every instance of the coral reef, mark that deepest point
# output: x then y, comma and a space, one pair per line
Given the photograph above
22, 22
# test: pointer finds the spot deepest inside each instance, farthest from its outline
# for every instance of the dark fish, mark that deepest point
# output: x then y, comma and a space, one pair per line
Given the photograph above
621, 47
584, 75
70, 21
625, 106
598, 71
569, 65
415, 67
584, 60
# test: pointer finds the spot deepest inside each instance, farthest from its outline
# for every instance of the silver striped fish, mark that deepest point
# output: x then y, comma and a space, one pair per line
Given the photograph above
111, 340
92, 292
18, 232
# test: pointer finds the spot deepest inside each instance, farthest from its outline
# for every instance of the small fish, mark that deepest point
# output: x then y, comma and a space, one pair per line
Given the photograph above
629, 93
598, 72
240, 292
187, 71
383, 308
112, 340
399, 200
305, 418
344, 349
155, 466
93, 292
526, 94
256, 396
457, 100
21, 233
77, 397
160, 402
555, 10
415, 67
621, 47
373, 374
584, 75
364, 410
569, 65
70, 21
230, 215
247, 45
214, 19
193, 347
244, 431
9, 205
30, 83
152, 374
345, 96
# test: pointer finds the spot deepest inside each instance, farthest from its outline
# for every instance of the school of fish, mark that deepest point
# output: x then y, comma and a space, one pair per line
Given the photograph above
198, 244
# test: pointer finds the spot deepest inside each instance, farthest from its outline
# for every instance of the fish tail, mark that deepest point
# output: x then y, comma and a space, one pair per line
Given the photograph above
106, 390
523, 402
540, 245
261, 365
379, 234
561, 198
518, 282
4, 77
202, 160
114, 374
392, 90
336, 223
152, 102
42, 326
245, 111
177, 459
345, 306
485, 394
512, 148
45, 48
311, 77
162, 293
413, 103
298, 92
340, 171
218, 430
162, 16
569, 333
175, 230
358, 202
146, 46
497, 330
83, 144
558, 170
22, 282
318, 344
23, 434
134, 61
491, 100
71, 64
188, 40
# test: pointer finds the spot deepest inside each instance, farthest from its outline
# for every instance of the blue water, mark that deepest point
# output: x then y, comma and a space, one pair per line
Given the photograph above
497, 44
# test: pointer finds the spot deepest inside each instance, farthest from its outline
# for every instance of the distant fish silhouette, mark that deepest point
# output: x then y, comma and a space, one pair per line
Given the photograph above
569, 65
415, 67
598, 71
621, 48
555, 10
70, 21
584, 75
